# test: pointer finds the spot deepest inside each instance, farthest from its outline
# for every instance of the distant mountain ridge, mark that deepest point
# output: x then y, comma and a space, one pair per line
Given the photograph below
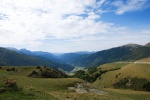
147, 45
66, 61
132, 45
15, 58
127, 52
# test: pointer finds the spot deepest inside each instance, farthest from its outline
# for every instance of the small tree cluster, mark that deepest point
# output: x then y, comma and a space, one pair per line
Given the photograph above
33, 74
47, 73
146, 86
53, 74
92, 74
133, 83
38, 67
92, 70
11, 69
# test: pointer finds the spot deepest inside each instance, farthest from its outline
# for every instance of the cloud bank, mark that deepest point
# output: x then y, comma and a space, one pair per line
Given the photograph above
51, 23
129, 5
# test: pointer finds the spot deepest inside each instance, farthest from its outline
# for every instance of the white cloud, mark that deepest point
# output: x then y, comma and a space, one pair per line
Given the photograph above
36, 19
129, 5
55, 24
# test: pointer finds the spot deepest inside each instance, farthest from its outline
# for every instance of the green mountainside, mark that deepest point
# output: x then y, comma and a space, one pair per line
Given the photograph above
124, 75
148, 44
13, 58
122, 53
23, 57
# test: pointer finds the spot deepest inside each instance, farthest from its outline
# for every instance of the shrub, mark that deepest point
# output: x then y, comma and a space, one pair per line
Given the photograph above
10, 84
38, 67
7, 69
41, 70
33, 74
2, 89
133, 83
92, 70
146, 86
79, 73
12, 69
116, 76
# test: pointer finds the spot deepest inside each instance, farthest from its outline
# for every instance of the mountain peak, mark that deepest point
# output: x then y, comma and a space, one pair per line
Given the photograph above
132, 45
11, 48
147, 45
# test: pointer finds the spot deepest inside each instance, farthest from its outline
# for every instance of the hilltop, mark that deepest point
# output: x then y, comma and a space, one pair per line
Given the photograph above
148, 44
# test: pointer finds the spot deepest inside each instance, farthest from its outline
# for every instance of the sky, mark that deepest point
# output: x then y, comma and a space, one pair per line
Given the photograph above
73, 25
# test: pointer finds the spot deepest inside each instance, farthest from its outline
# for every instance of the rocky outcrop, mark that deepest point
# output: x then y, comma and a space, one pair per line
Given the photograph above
86, 88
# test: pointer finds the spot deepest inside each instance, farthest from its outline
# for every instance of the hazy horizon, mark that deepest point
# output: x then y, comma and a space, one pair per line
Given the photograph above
73, 25
70, 51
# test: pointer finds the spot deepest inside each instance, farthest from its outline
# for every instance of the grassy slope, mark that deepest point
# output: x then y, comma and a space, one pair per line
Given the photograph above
145, 60
32, 87
127, 69
56, 89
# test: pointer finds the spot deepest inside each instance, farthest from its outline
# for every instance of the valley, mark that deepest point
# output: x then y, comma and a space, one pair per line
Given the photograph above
120, 73
74, 50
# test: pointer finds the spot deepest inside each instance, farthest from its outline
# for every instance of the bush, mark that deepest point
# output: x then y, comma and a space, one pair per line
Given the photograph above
38, 67
79, 73
52, 74
33, 74
135, 83
146, 86
92, 70
9, 85
12, 69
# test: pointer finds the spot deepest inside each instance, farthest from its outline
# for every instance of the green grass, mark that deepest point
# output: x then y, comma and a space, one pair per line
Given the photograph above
127, 70
56, 89
129, 94
22, 95
145, 60
109, 66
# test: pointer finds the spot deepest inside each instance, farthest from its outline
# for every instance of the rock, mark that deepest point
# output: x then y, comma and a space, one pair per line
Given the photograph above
79, 85
96, 91
71, 88
81, 91
88, 84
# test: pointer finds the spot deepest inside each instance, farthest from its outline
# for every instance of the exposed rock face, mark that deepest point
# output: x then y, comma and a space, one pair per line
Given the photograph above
71, 88
79, 85
81, 90
86, 88
96, 91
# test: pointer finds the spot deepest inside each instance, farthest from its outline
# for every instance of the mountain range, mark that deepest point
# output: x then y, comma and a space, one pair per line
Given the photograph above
67, 61
9, 57
127, 52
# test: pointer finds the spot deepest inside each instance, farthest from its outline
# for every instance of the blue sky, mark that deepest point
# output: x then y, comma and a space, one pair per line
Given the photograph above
73, 25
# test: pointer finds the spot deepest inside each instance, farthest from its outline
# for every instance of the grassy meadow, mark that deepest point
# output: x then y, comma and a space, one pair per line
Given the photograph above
127, 70
57, 88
